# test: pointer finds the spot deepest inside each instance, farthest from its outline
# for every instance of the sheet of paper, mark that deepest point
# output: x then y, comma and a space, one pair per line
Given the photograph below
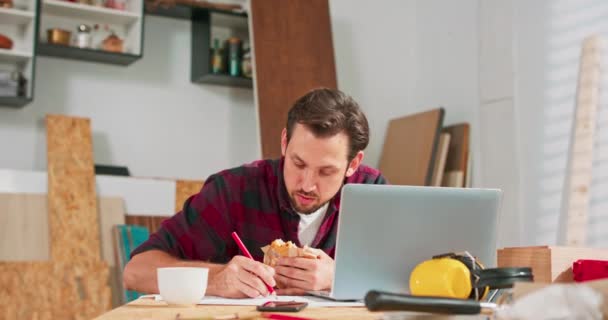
312, 301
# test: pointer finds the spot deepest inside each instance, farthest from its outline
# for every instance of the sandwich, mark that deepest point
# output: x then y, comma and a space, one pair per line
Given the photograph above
279, 248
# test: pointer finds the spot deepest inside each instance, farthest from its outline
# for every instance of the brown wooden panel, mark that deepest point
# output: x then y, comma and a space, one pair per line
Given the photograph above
184, 189
150, 222
293, 51
410, 145
72, 198
458, 153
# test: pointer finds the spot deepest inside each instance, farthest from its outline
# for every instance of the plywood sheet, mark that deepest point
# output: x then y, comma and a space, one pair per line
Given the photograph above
24, 227
410, 146
72, 201
442, 154
111, 213
458, 151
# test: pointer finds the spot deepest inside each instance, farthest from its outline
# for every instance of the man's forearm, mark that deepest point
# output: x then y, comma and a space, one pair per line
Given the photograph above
140, 272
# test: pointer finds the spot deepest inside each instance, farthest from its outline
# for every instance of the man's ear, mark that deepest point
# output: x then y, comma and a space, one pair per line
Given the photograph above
354, 164
283, 141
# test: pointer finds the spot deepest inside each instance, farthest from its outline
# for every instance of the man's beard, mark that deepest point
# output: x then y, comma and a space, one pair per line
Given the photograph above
294, 202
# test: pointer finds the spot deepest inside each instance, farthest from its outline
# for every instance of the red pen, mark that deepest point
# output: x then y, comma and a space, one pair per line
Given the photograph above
278, 316
248, 255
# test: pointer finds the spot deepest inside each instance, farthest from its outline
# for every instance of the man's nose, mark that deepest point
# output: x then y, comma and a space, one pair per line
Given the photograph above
308, 181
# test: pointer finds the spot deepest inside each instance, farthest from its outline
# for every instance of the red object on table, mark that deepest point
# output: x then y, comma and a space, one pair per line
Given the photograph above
239, 243
278, 316
587, 270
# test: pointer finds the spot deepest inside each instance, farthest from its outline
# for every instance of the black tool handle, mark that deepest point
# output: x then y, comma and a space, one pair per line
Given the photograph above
386, 301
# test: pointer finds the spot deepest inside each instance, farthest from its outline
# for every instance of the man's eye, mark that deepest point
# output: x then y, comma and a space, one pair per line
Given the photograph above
325, 173
299, 165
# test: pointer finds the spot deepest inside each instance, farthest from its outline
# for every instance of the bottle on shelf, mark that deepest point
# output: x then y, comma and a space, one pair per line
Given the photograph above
217, 58
234, 60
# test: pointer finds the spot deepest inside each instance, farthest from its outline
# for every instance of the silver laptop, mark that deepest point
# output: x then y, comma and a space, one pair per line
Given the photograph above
384, 231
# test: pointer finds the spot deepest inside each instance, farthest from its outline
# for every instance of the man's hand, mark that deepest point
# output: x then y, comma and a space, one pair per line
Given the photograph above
241, 278
298, 275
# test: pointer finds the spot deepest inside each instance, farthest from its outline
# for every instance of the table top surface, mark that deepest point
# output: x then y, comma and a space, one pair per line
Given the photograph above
149, 309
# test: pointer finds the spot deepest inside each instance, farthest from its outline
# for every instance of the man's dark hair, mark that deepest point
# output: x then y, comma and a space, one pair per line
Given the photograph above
327, 112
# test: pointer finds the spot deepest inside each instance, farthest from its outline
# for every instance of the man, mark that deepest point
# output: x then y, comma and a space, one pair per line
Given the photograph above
295, 199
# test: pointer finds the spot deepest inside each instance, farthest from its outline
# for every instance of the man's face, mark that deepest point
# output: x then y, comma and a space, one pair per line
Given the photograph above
315, 168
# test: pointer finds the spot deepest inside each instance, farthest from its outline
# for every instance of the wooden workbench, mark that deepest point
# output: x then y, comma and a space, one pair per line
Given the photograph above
148, 309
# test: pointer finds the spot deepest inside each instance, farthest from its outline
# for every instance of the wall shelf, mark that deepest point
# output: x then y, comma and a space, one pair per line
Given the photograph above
208, 25
181, 11
20, 24
65, 52
13, 56
15, 102
126, 24
225, 80
16, 16
88, 12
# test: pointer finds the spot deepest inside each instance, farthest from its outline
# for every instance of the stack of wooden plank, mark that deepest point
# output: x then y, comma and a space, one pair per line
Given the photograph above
418, 150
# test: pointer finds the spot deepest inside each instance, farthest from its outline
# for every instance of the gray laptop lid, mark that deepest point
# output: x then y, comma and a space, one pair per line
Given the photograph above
385, 231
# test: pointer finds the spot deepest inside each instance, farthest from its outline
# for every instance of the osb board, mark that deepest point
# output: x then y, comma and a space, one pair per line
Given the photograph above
410, 148
72, 201
24, 234
549, 264
150, 222
47, 290
458, 151
184, 189
24, 227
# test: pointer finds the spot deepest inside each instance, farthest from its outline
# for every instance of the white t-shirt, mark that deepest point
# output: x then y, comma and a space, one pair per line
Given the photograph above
310, 224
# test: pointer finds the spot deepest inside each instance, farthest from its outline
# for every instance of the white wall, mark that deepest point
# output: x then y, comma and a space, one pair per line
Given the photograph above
397, 58
549, 36
401, 57
147, 116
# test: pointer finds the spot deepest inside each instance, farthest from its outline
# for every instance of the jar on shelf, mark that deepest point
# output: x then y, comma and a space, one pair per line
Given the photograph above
112, 43
83, 37
246, 67
217, 58
6, 4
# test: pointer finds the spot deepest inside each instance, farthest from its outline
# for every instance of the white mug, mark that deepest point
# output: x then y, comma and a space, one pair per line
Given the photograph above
182, 285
